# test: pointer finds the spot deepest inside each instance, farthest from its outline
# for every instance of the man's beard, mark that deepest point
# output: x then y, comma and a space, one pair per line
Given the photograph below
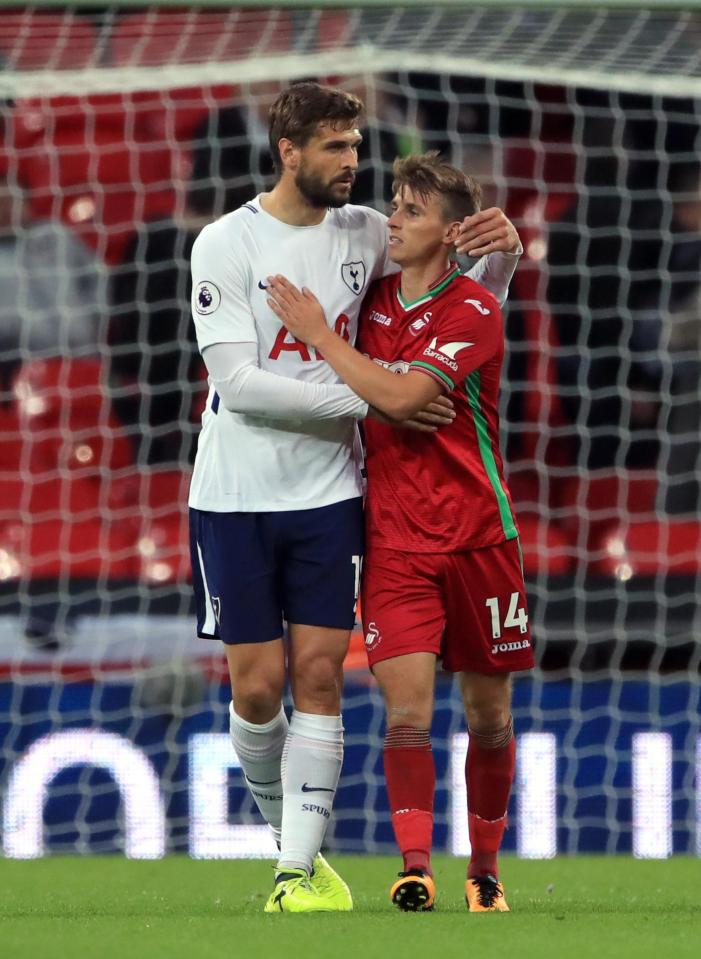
315, 191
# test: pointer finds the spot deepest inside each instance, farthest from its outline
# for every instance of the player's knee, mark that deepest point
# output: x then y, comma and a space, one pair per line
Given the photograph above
404, 712
317, 683
487, 702
257, 700
488, 718
407, 702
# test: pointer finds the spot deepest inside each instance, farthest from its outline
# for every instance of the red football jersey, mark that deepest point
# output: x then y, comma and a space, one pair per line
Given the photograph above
444, 491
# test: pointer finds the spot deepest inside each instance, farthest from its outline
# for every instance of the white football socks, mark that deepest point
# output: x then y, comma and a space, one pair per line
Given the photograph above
311, 766
259, 750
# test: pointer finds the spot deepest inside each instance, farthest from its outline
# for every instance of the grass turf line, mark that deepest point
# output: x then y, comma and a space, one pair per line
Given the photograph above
581, 907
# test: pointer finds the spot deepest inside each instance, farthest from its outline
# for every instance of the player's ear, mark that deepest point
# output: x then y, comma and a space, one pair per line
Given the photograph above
450, 234
289, 153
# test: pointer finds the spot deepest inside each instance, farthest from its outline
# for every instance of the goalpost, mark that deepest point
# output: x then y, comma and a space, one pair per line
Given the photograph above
124, 129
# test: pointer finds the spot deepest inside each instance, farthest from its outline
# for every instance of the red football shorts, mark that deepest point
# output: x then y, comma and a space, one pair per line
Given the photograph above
468, 608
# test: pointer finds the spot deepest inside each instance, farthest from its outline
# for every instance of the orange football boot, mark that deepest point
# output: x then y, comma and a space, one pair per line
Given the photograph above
413, 892
485, 894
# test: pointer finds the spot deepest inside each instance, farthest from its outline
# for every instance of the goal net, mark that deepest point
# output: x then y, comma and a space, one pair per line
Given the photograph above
124, 130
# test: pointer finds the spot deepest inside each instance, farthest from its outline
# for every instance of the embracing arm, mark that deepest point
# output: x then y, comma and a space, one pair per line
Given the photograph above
228, 340
397, 397
491, 236
245, 388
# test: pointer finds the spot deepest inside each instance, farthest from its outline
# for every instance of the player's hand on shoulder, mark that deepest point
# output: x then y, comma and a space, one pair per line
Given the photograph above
299, 310
489, 231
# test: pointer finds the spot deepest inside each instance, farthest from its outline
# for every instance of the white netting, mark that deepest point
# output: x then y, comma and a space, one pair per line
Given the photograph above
123, 132
609, 47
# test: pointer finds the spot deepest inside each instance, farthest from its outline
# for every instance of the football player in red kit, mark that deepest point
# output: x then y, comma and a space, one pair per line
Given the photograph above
443, 575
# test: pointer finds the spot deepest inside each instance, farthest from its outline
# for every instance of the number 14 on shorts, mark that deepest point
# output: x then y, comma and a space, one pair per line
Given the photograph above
514, 615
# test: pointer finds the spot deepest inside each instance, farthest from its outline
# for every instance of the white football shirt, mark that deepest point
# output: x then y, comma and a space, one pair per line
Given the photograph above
251, 463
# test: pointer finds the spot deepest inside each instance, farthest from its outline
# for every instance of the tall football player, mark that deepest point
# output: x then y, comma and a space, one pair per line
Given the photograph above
443, 573
275, 503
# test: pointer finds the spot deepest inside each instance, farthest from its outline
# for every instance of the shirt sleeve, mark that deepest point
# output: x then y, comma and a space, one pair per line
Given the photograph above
494, 273
244, 388
466, 338
220, 303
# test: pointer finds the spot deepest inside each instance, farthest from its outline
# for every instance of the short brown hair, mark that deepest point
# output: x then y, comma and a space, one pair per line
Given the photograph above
430, 174
298, 111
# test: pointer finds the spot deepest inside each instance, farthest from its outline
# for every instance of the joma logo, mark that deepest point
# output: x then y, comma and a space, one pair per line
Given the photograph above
510, 647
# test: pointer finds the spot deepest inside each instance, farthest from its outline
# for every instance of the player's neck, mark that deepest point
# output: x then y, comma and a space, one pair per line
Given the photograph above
286, 203
418, 278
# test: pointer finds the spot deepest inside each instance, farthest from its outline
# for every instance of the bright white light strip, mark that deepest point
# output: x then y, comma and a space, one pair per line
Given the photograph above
459, 835
144, 814
212, 836
211, 756
536, 777
537, 788
652, 795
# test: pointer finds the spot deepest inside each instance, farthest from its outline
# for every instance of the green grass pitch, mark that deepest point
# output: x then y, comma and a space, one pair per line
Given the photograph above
569, 908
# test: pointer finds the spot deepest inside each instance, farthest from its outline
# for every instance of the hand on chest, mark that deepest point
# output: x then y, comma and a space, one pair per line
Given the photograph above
338, 286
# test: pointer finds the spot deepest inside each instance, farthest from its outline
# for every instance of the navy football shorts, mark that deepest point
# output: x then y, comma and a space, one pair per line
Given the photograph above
252, 570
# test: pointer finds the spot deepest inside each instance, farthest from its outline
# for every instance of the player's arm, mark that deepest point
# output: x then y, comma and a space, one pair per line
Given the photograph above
228, 341
244, 388
436, 414
397, 397
490, 235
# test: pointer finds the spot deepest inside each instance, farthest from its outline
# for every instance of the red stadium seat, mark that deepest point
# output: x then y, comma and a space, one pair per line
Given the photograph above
166, 491
152, 505
127, 116
531, 490
334, 29
649, 549
163, 551
547, 550
116, 213
88, 453
156, 494
30, 40
48, 391
554, 165
593, 503
89, 549
179, 112
192, 36
10, 440
135, 527
153, 117
12, 498
99, 183
47, 497
92, 454
66, 420
609, 494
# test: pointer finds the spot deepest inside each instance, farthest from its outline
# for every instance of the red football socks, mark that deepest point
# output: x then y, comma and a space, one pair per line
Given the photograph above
489, 773
411, 782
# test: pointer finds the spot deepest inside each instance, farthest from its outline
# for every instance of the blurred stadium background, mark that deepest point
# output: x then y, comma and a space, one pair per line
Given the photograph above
125, 128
